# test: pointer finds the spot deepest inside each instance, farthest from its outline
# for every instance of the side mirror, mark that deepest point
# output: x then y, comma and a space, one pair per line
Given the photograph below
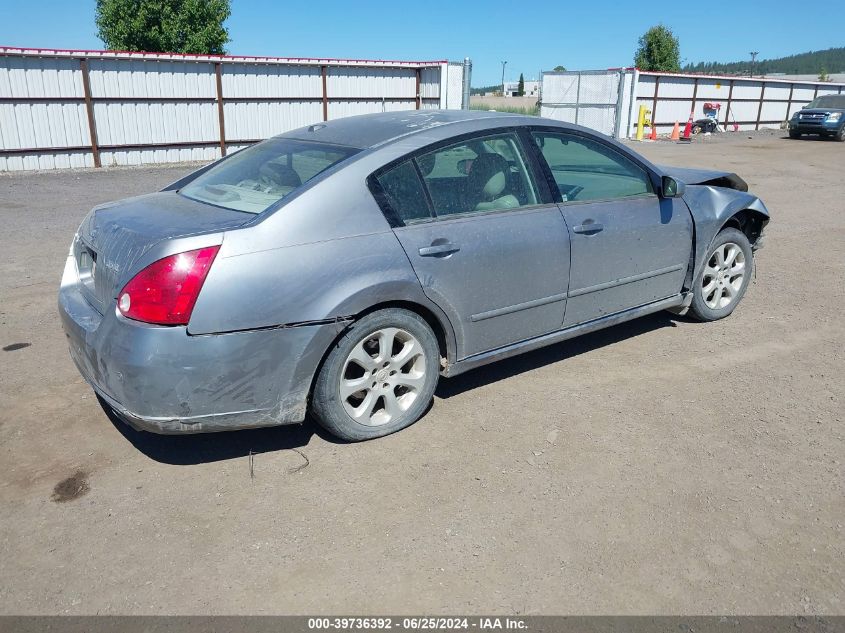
673, 188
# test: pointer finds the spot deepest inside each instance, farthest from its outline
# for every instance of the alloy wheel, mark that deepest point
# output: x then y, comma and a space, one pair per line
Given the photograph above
382, 376
723, 276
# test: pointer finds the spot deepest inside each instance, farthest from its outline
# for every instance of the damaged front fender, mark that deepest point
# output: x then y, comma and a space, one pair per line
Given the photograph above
712, 208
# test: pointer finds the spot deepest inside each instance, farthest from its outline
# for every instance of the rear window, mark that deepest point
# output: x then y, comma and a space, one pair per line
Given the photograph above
258, 177
828, 101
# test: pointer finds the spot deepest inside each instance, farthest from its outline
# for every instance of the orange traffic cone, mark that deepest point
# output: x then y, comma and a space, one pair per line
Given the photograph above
676, 132
653, 135
688, 128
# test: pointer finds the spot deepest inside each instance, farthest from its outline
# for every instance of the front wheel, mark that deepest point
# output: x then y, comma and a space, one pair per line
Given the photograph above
379, 378
840, 135
794, 134
722, 281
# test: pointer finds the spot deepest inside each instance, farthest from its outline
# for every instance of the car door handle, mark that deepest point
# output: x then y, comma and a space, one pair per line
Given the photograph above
439, 250
588, 227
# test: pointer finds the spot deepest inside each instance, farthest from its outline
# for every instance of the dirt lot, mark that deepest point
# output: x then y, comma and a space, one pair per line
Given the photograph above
663, 466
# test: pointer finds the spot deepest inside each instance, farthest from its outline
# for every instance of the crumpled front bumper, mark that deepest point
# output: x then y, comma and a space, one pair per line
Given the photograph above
163, 380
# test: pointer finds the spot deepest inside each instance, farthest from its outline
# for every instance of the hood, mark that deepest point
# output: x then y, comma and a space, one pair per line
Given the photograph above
824, 111
115, 235
726, 179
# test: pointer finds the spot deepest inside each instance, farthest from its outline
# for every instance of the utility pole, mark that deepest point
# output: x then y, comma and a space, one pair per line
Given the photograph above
504, 63
753, 60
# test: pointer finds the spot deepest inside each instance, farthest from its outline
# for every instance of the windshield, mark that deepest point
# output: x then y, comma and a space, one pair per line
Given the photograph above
256, 178
828, 101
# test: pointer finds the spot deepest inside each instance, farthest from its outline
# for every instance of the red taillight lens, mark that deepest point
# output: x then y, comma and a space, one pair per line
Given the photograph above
165, 291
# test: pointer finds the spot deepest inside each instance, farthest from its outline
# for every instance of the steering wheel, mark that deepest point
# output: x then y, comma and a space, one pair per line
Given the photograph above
571, 191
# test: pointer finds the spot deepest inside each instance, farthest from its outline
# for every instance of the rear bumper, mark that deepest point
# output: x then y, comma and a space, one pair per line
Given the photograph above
163, 380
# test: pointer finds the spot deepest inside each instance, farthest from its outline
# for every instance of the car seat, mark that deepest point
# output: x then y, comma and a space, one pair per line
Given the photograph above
488, 185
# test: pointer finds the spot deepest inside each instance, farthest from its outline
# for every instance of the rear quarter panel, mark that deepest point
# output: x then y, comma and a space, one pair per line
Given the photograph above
300, 283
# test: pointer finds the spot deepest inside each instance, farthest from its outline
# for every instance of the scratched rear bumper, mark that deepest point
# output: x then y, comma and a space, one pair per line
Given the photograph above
163, 380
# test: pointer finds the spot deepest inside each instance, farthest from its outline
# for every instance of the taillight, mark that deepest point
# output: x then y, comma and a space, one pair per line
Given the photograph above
165, 291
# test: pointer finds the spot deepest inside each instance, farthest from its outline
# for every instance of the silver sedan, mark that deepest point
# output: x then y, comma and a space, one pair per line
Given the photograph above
342, 268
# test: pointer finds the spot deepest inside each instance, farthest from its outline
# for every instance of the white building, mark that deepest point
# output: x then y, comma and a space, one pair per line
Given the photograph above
532, 88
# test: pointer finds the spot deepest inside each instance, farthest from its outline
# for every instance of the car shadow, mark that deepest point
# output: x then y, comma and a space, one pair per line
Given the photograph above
201, 448
564, 350
806, 137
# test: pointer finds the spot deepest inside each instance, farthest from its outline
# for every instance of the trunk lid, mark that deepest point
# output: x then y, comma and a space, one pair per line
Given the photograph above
113, 236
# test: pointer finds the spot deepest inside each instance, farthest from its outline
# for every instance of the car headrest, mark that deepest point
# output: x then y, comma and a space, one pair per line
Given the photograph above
488, 177
282, 175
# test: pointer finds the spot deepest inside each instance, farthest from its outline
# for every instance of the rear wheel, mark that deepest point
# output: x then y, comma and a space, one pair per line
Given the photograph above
722, 281
379, 378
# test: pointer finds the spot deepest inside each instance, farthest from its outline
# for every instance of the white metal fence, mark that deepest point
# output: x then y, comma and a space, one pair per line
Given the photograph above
609, 100
88, 108
588, 98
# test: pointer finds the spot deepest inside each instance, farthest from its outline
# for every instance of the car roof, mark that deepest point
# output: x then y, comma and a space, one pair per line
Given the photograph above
372, 130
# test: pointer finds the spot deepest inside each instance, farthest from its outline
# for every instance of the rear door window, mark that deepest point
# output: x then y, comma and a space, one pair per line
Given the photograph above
478, 175
258, 177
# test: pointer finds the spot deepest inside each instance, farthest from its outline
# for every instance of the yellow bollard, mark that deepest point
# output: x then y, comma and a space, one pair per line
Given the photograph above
642, 121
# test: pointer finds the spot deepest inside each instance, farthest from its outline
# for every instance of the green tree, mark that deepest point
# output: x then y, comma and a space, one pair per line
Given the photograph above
560, 69
164, 26
658, 50
520, 87
823, 76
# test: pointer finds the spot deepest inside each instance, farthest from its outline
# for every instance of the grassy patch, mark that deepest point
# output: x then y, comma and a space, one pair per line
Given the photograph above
533, 111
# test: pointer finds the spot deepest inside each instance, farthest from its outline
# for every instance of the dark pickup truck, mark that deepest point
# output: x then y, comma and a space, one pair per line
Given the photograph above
824, 115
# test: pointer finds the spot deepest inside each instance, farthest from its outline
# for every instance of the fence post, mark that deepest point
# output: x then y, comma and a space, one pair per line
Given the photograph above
324, 72
465, 84
694, 97
635, 85
218, 71
620, 97
789, 103
418, 95
654, 102
760, 108
578, 98
89, 109
730, 98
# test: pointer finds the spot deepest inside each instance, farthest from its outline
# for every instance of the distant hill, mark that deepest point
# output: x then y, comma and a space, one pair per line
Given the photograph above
831, 60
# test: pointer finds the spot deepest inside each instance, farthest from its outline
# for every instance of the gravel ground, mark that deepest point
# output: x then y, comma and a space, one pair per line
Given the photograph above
661, 466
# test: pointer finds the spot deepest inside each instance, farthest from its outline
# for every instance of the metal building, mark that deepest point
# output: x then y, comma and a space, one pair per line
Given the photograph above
65, 108
609, 100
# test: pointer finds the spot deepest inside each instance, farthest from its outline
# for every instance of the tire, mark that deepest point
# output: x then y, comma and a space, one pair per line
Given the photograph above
719, 285
840, 135
393, 356
794, 134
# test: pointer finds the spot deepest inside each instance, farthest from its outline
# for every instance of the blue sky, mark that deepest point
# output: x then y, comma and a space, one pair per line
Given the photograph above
530, 36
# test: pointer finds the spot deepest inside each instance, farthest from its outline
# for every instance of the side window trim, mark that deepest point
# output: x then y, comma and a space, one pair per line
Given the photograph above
544, 174
429, 202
